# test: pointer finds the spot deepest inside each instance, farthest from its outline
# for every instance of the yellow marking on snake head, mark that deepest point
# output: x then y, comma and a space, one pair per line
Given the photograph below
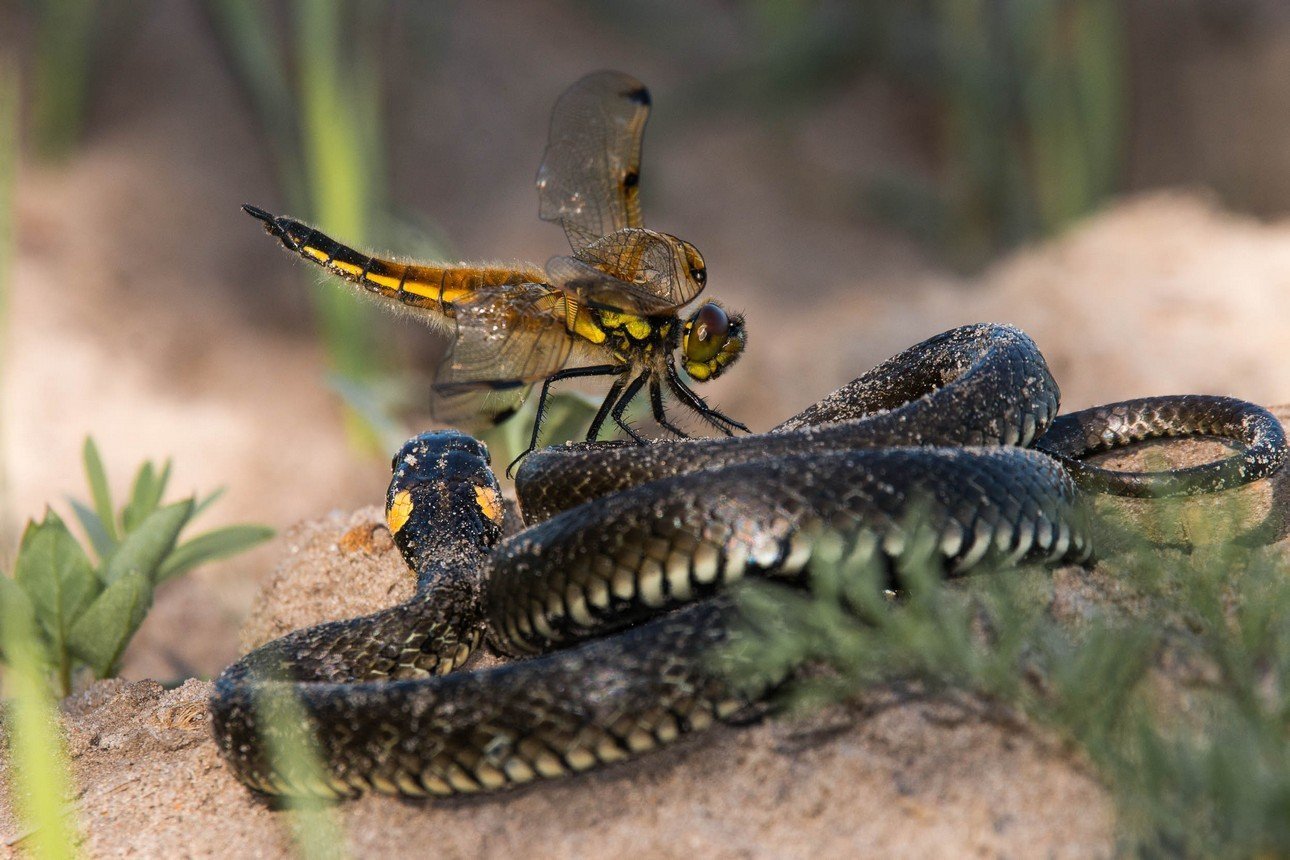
490, 503
399, 511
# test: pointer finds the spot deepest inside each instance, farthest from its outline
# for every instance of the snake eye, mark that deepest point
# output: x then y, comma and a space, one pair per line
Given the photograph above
706, 333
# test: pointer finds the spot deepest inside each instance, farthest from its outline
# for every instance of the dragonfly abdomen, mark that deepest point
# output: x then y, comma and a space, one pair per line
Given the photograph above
434, 287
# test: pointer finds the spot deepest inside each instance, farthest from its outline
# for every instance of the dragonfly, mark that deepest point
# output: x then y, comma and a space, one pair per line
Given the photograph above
608, 309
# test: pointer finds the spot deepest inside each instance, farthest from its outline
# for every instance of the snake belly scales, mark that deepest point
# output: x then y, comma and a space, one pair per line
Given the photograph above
619, 588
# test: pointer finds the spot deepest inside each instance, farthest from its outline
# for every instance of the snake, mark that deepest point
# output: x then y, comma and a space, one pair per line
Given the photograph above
615, 597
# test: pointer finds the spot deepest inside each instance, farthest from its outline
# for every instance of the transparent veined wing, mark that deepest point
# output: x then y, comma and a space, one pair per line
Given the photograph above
589, 180
597, 289
655, 265
507, 338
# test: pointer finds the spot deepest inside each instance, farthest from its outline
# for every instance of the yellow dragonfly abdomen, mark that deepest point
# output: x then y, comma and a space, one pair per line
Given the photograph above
428, 287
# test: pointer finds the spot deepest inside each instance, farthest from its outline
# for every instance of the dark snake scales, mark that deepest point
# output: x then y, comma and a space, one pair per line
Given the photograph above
619, 585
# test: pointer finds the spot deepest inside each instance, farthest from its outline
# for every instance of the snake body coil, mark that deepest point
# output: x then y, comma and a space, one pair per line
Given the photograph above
640, 541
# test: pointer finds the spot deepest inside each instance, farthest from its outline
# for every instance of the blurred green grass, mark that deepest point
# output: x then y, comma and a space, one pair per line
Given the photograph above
40, 779
40, 783
65, 35
1027, 102
9, 104
314, 827
317, 97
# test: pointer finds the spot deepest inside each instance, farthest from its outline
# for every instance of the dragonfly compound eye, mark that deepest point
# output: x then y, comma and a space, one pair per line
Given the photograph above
713, 340
694, 263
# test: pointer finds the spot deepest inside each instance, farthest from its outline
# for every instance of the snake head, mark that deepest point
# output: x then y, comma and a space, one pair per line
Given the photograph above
442, 496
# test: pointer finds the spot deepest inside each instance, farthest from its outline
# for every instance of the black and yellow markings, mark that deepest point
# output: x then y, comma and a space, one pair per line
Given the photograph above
427, 286
399, 510
490, 503
637, 328
578, 320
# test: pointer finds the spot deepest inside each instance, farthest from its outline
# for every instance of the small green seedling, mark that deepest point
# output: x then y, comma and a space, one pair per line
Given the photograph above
85, 610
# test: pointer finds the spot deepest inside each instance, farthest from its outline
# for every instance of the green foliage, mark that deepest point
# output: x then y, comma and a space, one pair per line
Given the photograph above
1179, 692
567, 417
1028, 100
41, 781
291, 741
9, 113
1034, 104
317, 96
85, 612
65, 33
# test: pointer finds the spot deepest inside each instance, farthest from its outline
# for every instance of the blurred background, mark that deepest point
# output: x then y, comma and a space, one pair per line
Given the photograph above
1109, 174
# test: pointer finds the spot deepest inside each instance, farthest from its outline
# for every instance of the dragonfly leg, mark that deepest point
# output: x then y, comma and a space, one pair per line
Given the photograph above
717, 419
568, 373
602, 413
628, 394
656, 404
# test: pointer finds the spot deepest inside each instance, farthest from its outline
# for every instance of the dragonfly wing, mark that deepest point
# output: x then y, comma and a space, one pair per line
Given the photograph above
589, 180
507, 339
598, 289
654, 262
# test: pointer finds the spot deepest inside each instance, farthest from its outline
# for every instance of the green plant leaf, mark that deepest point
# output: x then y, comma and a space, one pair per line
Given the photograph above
163, 479
94, 529
144, 549
100, 635
56, 575
138, 508
16, 606
97, 477
212, 545
203, 504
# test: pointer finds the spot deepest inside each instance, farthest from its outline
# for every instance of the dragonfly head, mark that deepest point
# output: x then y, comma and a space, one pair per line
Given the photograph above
712, 341
695, 267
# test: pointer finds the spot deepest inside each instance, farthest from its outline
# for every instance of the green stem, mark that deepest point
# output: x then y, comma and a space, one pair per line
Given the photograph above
64, 675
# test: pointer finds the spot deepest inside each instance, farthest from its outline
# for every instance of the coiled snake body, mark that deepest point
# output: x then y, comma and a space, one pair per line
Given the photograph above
639, 542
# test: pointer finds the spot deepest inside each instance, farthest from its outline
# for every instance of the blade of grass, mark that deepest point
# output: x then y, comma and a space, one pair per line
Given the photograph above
247, 37
341, 168
96, 476
9, 89
295, 757
42, 782
65, 35
337, 167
